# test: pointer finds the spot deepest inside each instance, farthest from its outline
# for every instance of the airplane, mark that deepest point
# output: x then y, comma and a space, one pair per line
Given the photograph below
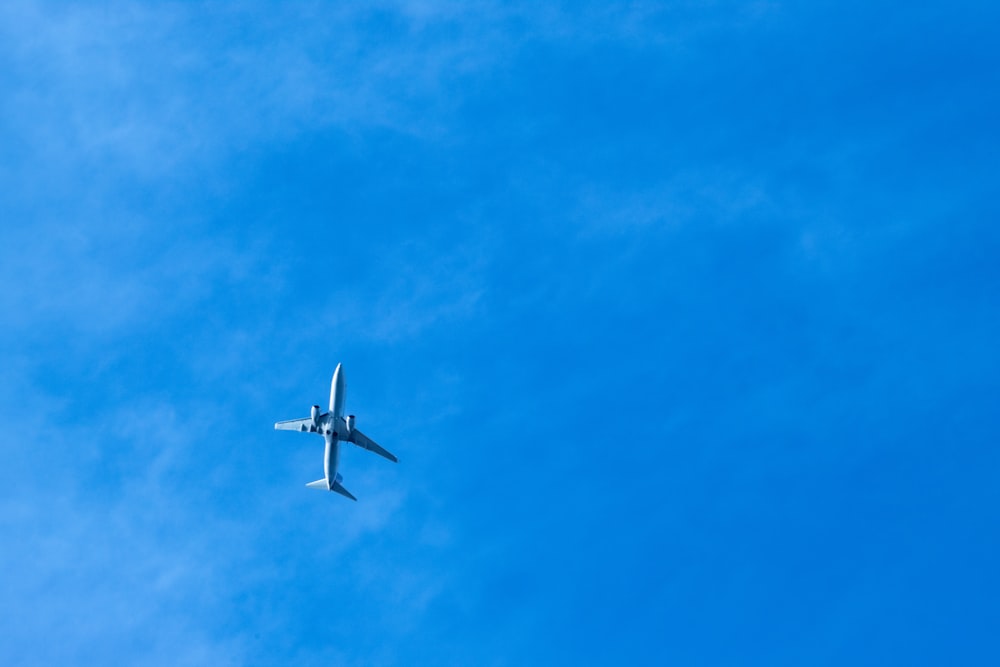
335, 428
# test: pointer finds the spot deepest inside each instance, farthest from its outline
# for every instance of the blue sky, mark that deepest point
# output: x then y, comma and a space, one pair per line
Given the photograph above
681, 318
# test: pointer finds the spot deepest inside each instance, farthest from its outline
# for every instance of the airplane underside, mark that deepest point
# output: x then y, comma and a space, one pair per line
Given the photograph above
335, 428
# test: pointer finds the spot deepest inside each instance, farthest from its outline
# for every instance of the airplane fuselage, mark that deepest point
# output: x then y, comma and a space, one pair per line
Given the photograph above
334, 424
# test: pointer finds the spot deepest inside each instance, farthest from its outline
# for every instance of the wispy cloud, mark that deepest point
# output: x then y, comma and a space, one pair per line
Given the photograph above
540, 230
116, 570
159, 88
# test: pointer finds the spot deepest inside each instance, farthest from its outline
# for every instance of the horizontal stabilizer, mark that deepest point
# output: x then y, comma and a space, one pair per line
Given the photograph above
337, 486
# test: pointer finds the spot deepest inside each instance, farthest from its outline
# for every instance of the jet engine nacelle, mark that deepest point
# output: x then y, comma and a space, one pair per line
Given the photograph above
350, 423
315, 415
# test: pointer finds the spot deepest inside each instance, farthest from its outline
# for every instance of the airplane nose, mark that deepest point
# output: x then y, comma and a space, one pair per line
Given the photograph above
337, 390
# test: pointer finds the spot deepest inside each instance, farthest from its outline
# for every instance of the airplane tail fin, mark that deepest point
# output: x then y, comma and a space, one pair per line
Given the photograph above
337, 486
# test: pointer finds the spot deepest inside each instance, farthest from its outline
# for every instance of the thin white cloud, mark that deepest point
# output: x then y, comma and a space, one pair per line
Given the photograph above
157, 88
116, 277
143, 566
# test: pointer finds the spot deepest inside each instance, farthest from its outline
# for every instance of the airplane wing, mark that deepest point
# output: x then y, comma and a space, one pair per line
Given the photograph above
296, 425
363, 441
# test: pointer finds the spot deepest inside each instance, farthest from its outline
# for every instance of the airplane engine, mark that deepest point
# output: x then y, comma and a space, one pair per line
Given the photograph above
350, 423
315, 415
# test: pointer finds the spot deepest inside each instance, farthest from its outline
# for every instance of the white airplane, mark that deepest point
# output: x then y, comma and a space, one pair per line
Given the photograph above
334, 428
